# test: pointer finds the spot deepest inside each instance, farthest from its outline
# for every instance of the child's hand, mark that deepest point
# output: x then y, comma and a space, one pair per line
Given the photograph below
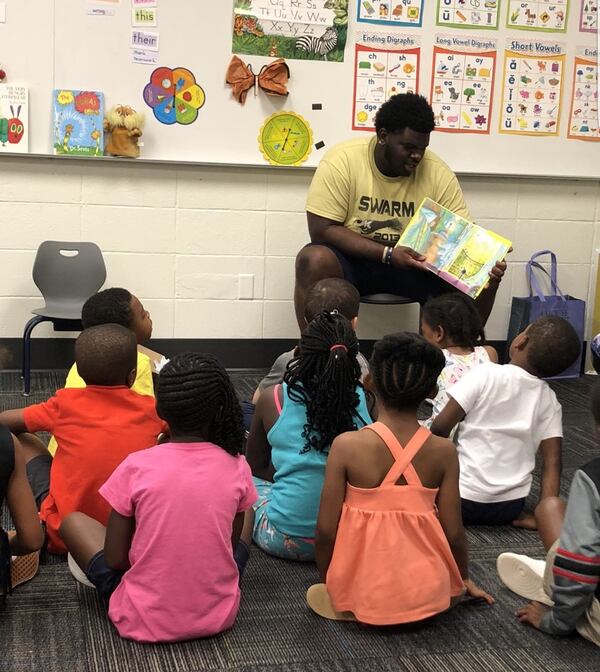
532, 614
525, 521
475, 591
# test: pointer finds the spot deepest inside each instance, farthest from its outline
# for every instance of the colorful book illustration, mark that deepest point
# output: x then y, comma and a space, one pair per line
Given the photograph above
14, 136
77, 125
457, 250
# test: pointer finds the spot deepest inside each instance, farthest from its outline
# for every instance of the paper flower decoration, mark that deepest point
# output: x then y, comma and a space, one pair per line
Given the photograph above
174, 95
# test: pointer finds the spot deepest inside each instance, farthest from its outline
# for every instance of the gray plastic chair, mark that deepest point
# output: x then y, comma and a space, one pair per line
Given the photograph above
66, 274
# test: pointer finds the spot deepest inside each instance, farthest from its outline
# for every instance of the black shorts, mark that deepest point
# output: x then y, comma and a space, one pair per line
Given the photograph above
491, 513
38, 475
103, 577
373, 277
107, 579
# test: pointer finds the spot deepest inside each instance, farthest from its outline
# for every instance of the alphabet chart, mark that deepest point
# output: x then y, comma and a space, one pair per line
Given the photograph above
588, 17
391, 12
468, 13
462, 84
583, 117
532, 92
379, 73
547, 15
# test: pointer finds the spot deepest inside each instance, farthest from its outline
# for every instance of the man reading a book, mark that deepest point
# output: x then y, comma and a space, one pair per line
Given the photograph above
361, 198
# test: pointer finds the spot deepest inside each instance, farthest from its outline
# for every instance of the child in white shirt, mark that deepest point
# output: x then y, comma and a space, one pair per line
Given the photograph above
506, 413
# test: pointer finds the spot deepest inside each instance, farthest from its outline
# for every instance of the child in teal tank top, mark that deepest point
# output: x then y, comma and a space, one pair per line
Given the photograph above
292, 429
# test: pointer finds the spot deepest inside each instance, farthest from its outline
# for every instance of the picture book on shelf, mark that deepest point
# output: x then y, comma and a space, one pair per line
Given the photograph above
14, 126
77, 122
460, 252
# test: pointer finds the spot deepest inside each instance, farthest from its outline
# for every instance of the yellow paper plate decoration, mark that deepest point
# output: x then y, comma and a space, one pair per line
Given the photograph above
285, 139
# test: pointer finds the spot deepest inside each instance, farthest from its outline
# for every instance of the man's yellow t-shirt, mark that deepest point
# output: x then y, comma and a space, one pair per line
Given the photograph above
143, 384
349, 188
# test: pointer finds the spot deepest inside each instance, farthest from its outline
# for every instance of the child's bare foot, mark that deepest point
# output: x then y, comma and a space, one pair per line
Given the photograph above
525, 521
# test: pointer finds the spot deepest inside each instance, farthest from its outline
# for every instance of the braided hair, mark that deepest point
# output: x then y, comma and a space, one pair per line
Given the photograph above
324, 377
405, 369
457, 315
195, 395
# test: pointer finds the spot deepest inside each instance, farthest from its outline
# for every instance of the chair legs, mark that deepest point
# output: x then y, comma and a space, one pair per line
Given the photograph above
26, 360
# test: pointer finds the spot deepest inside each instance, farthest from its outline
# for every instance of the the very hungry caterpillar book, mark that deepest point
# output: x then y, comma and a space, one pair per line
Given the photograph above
460, 252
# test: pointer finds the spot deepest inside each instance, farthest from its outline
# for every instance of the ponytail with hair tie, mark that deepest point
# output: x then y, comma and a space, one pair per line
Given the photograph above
324, 377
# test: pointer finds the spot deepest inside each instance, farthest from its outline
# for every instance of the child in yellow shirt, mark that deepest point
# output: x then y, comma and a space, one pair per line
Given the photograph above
117, 306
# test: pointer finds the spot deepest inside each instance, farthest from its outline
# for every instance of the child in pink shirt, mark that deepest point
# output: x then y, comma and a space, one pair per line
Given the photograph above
169, 563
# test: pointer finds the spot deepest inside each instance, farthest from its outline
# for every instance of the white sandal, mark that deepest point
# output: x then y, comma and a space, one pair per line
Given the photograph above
524, 576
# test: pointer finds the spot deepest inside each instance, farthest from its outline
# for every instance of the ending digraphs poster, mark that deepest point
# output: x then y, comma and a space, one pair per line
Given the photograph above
583, 114
532, 91
384, 64
462, 83
14, 122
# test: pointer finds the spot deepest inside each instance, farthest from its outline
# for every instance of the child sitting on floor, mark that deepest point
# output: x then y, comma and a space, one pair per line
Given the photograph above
28, 536
96, 428
165, 566
326, 295
452, 323
292, 429
506, 414
566, 588
390, 544
116, 306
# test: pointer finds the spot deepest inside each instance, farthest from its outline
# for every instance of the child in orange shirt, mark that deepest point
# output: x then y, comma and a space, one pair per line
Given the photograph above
96, 428
390, 542
117, 306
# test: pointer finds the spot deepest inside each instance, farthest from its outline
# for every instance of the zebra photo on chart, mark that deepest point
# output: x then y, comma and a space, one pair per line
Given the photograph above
321, 46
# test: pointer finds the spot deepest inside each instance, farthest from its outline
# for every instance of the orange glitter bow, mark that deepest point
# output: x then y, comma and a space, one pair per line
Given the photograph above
272, 78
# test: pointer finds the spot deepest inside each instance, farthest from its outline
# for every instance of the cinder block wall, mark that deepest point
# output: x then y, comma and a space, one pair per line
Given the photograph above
211, 251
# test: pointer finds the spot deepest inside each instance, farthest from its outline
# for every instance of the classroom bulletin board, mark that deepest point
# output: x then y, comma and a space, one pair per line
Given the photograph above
513, 83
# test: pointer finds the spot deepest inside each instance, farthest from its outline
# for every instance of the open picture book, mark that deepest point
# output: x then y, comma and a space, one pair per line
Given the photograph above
460, 252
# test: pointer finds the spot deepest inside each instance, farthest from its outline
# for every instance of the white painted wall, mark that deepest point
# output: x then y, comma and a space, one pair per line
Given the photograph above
181, 237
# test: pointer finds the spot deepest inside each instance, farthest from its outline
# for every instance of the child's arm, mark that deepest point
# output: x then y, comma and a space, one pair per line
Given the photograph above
119, 534
236, 528
330, 509
551, 451
450, 516
258, 448
492, 353
14, 420
448, 418
29, 535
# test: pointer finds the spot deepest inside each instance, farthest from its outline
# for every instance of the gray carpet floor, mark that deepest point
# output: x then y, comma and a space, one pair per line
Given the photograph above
52, 624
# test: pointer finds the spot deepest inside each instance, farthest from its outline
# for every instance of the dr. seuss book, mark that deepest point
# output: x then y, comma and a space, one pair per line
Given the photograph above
457, 250
14, 136
77, 122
